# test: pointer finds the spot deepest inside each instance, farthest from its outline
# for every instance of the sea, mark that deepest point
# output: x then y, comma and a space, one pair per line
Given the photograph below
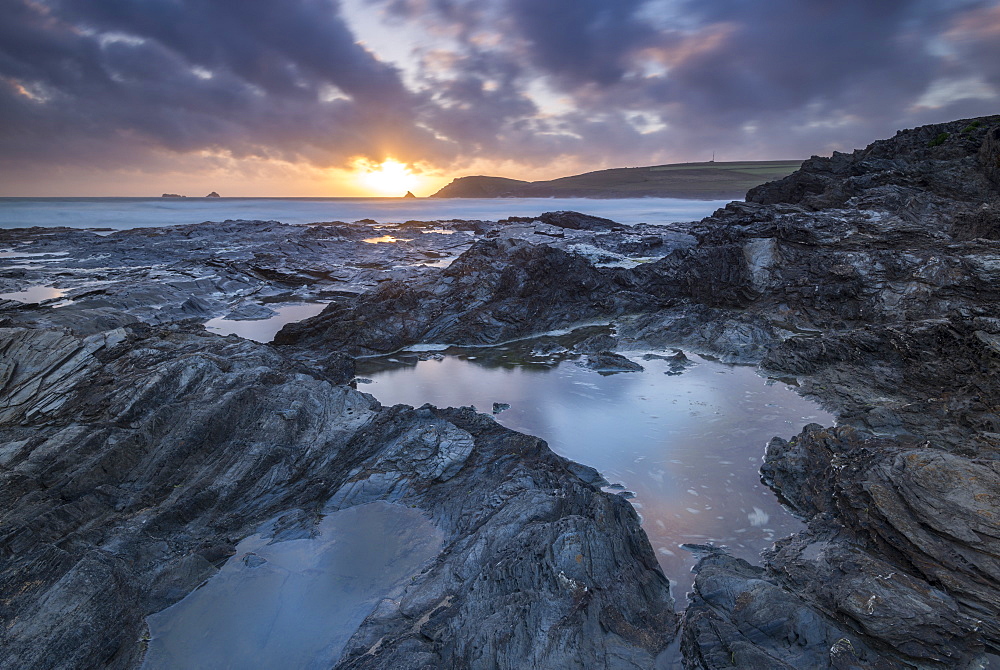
125, 213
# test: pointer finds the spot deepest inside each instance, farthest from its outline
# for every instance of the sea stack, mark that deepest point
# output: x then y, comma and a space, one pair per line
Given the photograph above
409, 194
213, 194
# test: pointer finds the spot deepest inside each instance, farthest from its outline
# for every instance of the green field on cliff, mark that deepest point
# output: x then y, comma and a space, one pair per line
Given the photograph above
681, 180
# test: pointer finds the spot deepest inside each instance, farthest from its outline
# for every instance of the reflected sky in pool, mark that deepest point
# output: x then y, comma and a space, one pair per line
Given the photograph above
294, 604
34, 294
264, 330
689, 445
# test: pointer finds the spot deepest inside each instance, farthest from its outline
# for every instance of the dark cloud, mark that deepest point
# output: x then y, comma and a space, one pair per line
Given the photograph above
583, 41
601, 83
975, 38
100, 80
783, 78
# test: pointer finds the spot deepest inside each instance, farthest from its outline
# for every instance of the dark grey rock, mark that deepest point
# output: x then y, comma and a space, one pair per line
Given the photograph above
498, 290
135, 460
136, 455
252, 560
250, 312
608, 362
872, 277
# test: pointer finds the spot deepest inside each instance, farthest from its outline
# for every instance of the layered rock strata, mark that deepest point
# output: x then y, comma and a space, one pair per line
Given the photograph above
134, 461
138, 450
871, 277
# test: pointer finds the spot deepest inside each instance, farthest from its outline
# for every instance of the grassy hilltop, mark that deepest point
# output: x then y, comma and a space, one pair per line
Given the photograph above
681, 180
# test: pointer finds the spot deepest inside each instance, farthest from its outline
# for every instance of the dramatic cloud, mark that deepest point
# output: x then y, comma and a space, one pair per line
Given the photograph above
532, 87
99, 80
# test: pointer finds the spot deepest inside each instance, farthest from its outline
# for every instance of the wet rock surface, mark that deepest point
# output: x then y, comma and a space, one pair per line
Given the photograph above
148, 453
242, 270
872, 278
138, 449
607, 362
507, 289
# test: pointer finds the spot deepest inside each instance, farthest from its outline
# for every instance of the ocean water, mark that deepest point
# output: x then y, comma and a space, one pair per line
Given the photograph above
124, 213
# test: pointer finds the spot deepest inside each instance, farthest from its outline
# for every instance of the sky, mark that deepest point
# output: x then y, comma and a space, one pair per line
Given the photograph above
366, 97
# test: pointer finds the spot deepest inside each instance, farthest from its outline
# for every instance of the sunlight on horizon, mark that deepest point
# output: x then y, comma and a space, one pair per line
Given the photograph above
390, 177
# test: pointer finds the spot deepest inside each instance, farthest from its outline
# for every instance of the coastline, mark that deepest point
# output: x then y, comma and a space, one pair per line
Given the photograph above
142, 448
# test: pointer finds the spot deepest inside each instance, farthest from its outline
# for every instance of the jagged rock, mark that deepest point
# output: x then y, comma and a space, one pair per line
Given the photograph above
740, 617
608, 362
250, 311
39, 370
570, 220
213, 194
872, 278
936, 515
497, 290
989, 154
134, 461
958, 168
678, 361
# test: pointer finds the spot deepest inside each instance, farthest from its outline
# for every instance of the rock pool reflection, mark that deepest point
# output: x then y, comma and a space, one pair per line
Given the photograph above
294, 604
34, 294
689, 445
264, 330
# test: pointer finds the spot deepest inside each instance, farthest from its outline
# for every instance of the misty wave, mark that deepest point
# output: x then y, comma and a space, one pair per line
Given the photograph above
124, 213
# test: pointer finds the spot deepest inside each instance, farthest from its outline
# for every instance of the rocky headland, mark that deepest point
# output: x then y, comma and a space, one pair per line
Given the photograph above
709, 181
139, 449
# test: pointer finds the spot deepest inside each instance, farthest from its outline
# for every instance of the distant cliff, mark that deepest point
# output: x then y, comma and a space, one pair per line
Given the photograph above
481, 187
683, 180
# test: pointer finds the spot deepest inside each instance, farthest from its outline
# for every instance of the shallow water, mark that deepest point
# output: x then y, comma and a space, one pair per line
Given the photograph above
689, 445
124, 213
264, 330
34, 294
294, 604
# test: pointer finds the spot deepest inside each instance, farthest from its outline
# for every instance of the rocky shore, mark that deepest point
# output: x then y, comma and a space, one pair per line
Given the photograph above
872, 278
138, 449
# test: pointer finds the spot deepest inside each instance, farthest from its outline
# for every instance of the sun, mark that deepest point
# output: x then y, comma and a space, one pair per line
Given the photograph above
390, 177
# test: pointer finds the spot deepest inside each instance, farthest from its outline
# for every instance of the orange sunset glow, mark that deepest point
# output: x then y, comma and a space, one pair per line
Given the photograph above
388, 178
361, 99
